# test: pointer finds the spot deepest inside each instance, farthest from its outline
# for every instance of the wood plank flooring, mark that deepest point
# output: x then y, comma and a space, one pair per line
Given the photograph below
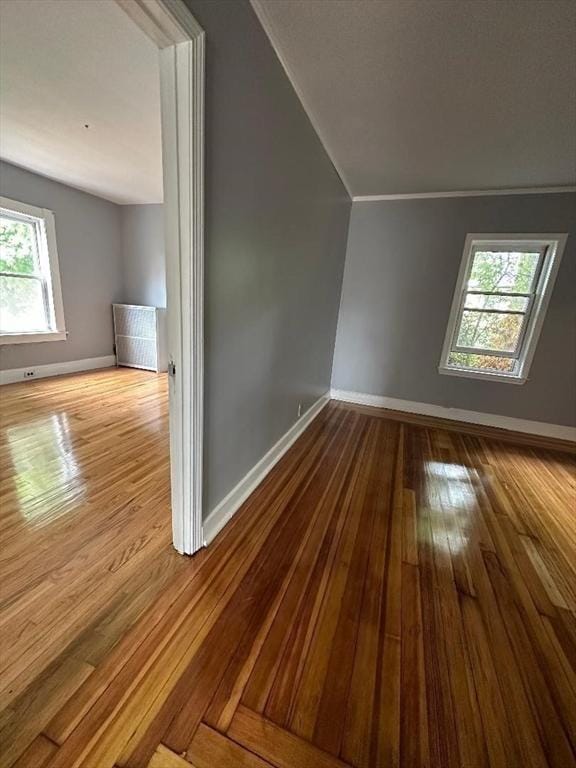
393, 594
85, 532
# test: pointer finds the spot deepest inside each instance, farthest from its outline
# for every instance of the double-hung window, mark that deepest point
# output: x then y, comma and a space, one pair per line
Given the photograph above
503, 289
30, 294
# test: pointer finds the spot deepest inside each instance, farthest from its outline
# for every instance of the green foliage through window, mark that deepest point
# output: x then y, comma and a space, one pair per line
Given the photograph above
492, 318
502, 272
482, 362
18, 251
22, 301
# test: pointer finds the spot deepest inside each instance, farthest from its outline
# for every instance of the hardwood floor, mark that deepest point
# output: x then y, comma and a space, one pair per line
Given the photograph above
85, 532
392, 595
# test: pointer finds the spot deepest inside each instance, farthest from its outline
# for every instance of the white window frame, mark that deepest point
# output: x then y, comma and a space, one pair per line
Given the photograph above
551, 248
48, 255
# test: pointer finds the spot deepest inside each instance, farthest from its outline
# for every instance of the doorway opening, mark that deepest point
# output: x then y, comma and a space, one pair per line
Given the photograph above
87, 518
170, 24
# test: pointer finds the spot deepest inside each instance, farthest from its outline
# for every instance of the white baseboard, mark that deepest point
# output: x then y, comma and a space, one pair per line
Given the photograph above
56, 369
224, 511
456, 414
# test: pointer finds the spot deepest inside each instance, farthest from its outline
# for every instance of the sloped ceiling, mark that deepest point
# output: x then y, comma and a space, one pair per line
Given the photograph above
415, 96
68, 64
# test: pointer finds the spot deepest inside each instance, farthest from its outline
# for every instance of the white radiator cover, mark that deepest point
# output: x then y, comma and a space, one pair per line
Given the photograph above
140, 336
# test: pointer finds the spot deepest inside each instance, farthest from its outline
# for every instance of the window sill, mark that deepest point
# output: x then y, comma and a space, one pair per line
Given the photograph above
502, 377
28, 338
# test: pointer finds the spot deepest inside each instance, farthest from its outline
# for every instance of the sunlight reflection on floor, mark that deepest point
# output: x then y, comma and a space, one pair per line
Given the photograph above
453, 502
46, 471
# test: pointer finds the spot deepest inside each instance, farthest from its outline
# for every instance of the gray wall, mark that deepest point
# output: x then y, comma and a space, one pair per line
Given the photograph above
401, 268
276, 224
88, 237
276, 227
143, 259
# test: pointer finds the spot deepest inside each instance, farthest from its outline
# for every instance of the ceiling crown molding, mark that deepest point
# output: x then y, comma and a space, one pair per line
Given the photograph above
471, 193
267, 25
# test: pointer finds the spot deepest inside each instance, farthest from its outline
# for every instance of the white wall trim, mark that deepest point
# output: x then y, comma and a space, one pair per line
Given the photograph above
166, 23
12, 375
225, 510
456, 414
182, 83
471, 193
268, 27
171, 25
7, 339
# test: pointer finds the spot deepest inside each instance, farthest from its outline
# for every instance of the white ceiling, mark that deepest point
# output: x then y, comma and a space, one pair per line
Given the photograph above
65, 64
413, 96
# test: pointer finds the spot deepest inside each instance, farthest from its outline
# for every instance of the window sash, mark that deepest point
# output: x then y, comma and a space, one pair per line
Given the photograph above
45, 292
48, 266
24, 275
527, 313
488, 311
499, 293
22, 218
43, 267
512, 248
515, 353
551, 248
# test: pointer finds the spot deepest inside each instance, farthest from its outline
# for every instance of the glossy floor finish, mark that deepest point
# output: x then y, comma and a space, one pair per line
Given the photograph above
391, 595
85, 532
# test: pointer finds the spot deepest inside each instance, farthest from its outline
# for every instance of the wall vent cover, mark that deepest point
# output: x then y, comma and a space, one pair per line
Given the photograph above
140, 336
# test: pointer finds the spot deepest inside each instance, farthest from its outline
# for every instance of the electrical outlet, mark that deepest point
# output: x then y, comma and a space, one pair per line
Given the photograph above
29, 374
299, 410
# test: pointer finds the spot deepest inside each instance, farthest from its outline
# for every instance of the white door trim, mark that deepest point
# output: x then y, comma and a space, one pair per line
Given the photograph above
170, 24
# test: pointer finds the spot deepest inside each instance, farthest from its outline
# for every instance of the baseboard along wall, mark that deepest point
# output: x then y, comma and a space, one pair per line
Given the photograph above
13, 375
456, 414
224, 511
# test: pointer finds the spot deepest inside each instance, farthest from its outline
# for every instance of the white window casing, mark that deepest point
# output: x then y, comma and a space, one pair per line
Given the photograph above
531, 304
48, 275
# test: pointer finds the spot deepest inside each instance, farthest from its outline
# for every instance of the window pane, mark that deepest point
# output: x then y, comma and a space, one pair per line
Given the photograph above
493, 301
482, 362
22, 305
18, 250
483, 330
503, 271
